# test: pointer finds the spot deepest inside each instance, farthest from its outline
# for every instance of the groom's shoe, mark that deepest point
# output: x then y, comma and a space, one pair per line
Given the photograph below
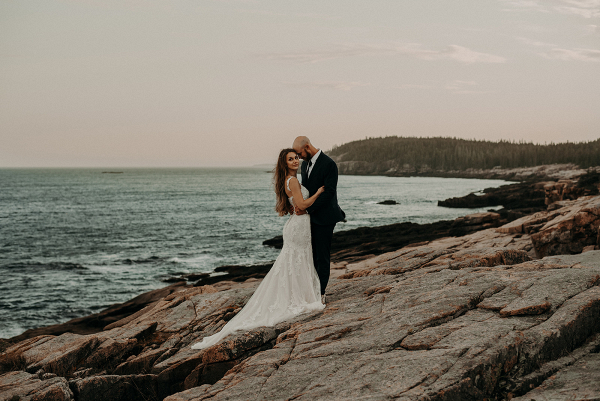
323, 299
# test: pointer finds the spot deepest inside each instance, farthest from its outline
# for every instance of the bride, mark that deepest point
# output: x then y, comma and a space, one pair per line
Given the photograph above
292, 286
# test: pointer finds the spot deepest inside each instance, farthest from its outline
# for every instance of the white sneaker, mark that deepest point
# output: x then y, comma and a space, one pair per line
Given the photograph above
323, 299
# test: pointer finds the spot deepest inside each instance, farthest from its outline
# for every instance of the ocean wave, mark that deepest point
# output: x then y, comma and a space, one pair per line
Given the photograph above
8, 331
45, 266
137, 261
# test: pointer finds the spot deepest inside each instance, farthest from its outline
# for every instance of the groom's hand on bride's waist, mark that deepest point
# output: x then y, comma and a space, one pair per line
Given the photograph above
299, 212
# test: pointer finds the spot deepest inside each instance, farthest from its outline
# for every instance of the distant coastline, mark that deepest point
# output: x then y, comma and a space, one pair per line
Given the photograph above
459, 158
521, 174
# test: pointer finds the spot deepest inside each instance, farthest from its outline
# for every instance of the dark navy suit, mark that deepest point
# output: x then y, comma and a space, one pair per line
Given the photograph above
324, 213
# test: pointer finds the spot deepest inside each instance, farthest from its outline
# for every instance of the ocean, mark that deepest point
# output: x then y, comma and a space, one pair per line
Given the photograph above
75, 241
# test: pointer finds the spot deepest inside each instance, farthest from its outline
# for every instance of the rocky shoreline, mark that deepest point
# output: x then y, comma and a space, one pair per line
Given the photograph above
552, 172
494, 305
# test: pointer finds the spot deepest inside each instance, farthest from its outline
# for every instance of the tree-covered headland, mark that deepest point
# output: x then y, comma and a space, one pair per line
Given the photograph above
447, 154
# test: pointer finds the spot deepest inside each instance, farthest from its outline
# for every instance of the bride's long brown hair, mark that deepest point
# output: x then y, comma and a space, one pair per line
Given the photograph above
281, 171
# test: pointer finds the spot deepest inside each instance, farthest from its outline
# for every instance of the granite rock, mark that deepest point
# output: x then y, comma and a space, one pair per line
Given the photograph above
425, 332
470, 317
23, 386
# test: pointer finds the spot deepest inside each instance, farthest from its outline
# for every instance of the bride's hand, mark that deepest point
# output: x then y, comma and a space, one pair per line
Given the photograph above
320, 190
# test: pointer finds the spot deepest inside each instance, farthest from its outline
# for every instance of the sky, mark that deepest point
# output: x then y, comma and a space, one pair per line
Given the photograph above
192, 83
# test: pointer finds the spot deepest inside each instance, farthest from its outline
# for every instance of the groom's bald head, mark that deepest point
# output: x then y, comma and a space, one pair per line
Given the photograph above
300, 143
304, 148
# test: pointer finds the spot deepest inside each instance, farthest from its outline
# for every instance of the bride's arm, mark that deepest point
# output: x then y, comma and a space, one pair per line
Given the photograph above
299, 200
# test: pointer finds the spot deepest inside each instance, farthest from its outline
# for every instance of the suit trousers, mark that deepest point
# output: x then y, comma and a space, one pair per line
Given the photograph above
321, 246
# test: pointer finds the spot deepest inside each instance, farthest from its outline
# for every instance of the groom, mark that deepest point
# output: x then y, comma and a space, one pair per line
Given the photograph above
317, 171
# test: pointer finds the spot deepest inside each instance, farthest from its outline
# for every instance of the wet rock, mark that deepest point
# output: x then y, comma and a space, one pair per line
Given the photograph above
237, 273
512, 196
174, 280
116, 388
478, 219
388, 202
195, 276
531, 197
365, 242
590, 182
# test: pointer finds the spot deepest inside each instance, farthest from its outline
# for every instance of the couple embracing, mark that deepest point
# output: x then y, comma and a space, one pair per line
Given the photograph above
296, 283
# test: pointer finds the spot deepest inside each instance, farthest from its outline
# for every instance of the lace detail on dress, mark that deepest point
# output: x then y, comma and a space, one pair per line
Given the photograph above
290, 288
291, 198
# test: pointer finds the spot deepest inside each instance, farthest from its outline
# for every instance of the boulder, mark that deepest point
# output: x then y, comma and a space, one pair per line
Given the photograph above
568, 230
512, 196
23, 386
562, 190
388, 202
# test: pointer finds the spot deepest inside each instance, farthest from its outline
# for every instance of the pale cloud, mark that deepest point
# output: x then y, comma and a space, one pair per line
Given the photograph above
414, 86
451, 52
524, 5
573, 54
583, 3
321, 55
463, 87
468, 56
583, 8
591, 29
335, 85
532, 42
583, 12
270, 13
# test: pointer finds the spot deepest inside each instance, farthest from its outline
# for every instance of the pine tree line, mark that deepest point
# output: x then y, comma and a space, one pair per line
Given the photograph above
460, 154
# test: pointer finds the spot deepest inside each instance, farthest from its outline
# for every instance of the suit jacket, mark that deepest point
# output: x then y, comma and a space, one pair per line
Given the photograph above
325, 210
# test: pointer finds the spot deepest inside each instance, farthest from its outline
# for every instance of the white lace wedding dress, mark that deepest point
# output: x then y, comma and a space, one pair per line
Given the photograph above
290, 288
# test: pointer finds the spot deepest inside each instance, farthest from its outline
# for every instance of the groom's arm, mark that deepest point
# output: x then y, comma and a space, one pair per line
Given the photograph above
331, 179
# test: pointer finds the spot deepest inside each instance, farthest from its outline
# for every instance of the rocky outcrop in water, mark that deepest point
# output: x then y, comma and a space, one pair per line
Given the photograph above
458, 318
236, 273
529, 197
388, 202
364, 242
512, 196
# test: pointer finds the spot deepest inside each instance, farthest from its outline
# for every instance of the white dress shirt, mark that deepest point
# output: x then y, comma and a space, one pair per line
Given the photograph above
313, 160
